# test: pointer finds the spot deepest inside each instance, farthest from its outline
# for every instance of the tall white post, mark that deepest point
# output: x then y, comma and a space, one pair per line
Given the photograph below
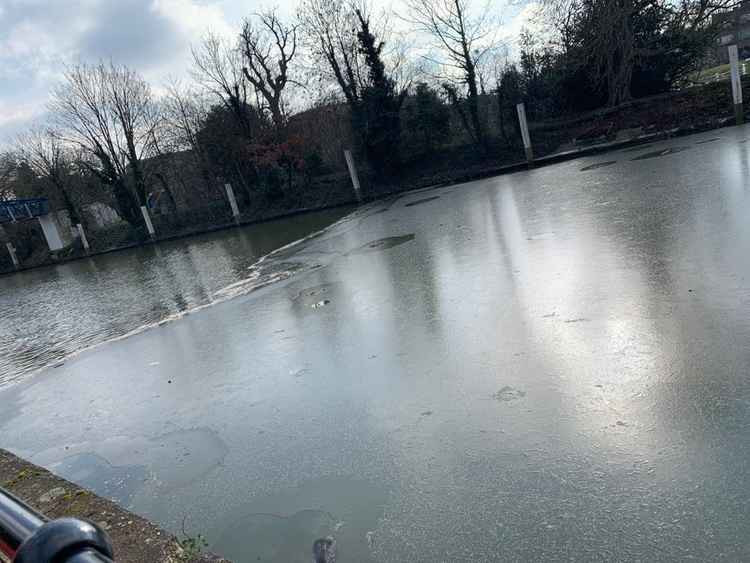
149, 224
521, 109
353, 173
12, 252
233, 203
84, 240
734, 69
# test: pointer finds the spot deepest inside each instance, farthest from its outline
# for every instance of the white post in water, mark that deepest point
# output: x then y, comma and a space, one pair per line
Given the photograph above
521, 109
147, 219
353, 173
84, 240
734, 69
233, 203
12, 252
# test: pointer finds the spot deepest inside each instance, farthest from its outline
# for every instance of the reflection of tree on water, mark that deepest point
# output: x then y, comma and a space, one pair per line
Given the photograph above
163, 277
667, 259
240, 261
668, 239
57, 310
28, 353
24, 298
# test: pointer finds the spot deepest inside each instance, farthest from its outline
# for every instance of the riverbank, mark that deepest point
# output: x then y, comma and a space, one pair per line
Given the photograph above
614, 140
42, 258
135, 539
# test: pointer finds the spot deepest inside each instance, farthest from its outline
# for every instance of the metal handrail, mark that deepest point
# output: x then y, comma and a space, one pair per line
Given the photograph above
28, 537
23, 209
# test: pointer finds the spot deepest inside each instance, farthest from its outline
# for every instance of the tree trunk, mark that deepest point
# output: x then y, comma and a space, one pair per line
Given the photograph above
126, 206
73, 214
75, 217
471, 82
139, 182
476, 122
167, 190
501, 120
620, 59
278, 119
243, 184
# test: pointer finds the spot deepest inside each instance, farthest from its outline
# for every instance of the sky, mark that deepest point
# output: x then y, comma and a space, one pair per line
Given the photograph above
38, 37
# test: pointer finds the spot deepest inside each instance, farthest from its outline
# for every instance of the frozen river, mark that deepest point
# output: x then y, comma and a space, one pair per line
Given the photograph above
548, 365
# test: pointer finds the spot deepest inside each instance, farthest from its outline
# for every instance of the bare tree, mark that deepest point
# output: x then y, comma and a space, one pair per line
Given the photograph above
184, 115
218, 68
184, 112
269, 47
108, 111
137, 116
48, 157
464, 36
330, 27
7, 171
330, 36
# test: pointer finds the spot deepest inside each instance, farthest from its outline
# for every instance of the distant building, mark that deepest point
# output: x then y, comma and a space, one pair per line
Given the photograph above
734, 29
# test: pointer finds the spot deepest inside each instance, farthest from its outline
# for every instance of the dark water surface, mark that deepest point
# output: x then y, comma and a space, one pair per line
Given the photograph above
549, 365
48, 313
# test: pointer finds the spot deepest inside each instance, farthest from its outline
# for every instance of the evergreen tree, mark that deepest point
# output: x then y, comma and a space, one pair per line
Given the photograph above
377, 114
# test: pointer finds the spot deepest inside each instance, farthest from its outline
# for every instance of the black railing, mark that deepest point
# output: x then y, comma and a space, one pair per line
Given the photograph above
28, 537
23, 209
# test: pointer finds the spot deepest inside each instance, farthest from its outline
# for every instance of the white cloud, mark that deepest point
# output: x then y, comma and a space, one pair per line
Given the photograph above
526, 18
38, 37
193, 19
190, 22
17, 114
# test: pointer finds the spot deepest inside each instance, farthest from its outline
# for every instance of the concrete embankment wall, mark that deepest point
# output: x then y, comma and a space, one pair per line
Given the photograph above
135, 539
